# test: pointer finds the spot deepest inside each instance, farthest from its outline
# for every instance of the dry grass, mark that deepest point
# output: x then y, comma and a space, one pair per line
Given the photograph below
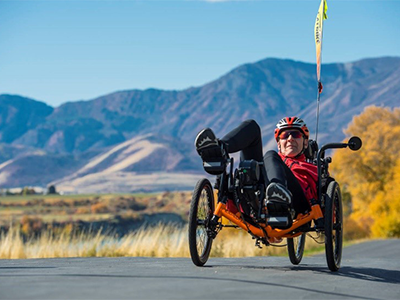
33, 216
159, 241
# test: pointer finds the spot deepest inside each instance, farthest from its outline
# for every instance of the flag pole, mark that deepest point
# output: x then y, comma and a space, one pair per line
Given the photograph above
318, 98
321, 16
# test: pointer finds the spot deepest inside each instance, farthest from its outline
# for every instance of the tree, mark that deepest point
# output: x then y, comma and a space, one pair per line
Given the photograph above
28, 191
367, 174
386, 206
51, 190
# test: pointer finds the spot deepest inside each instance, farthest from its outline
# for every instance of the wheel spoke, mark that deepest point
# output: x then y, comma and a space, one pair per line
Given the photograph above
202, 214
297, 245
201, 240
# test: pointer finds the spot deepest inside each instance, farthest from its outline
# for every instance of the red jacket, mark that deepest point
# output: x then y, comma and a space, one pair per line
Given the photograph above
306, 173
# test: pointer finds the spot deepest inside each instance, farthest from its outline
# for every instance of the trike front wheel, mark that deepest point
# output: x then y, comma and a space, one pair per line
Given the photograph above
201, 211
333, 226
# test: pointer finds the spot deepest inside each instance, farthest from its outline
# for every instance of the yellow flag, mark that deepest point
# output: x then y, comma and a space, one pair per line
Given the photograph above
321, 16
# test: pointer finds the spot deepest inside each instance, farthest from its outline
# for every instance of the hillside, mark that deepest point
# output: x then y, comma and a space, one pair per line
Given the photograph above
134, 133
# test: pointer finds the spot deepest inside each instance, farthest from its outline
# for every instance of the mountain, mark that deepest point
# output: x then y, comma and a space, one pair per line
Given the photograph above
164, 123
143, 163
18, 115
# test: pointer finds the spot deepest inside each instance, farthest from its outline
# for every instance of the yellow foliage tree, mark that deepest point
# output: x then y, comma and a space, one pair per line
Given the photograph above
369, 173
387, 207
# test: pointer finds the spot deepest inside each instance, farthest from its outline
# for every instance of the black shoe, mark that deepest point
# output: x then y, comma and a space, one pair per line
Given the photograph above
212, 152
279, 199
208, 146
278, 192
205, 139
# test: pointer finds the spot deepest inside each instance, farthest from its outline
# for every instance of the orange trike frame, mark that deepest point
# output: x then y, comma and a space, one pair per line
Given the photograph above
265, 230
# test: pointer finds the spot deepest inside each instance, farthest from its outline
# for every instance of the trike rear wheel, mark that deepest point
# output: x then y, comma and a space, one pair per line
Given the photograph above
295, 248
201, 211
333, 226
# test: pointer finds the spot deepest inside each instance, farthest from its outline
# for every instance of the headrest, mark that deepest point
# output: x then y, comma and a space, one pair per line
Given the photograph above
312, 150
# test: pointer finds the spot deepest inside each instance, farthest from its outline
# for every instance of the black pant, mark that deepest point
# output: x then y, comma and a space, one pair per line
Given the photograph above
247, 139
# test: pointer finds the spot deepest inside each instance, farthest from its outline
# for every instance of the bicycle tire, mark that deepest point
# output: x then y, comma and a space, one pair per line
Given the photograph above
295, 248
333, 226
201, 210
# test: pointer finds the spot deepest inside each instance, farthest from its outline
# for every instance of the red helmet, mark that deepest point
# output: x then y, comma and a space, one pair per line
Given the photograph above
289, 123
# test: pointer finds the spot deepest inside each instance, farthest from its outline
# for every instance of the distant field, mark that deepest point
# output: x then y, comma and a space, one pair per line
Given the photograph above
49, 211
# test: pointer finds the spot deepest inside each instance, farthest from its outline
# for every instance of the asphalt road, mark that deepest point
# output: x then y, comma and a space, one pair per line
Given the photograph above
369, 270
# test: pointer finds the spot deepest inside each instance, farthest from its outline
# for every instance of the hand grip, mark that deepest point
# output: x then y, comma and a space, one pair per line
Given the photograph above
355, 143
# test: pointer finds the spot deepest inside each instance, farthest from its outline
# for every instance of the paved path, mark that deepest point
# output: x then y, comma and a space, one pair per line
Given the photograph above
369, 270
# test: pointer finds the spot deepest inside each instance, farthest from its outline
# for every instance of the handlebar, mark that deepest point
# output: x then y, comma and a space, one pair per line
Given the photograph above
354, 144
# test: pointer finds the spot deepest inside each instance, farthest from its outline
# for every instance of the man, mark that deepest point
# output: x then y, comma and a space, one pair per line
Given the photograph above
291, 181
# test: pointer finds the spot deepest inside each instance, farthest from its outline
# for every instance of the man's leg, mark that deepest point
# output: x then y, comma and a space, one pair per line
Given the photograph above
278, 172
245, 138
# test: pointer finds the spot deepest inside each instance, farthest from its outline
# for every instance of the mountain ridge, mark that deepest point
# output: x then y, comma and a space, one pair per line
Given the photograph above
265, 91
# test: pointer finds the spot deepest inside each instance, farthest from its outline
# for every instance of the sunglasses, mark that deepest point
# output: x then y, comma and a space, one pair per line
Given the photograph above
295, 134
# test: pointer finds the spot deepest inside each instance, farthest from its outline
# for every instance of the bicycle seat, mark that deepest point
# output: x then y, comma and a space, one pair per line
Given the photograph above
312, 150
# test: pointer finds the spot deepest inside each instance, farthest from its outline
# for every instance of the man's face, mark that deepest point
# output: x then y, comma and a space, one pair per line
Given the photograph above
291, 142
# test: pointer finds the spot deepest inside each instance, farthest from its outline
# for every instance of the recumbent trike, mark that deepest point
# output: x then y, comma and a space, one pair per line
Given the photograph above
245, 188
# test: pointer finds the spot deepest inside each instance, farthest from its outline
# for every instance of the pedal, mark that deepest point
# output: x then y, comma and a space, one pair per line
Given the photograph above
280, 222
214, 167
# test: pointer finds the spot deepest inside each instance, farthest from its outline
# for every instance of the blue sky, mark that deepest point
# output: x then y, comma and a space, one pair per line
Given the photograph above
58, 51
